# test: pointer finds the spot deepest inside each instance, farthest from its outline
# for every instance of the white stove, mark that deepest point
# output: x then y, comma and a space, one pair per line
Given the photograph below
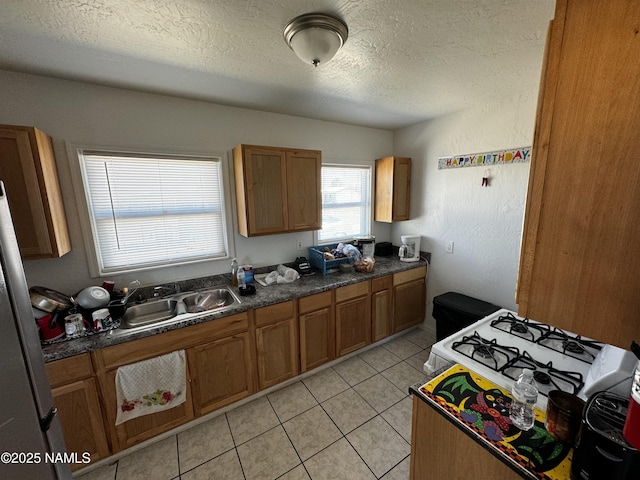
500, 345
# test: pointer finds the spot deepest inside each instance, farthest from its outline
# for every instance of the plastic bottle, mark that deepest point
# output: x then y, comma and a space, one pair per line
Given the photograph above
241, 278
525, 394
234, 272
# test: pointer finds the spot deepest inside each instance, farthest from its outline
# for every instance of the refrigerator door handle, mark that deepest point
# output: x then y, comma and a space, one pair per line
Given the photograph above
45, 422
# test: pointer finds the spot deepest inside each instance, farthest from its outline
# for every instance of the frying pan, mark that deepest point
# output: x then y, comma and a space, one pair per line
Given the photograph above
48, 300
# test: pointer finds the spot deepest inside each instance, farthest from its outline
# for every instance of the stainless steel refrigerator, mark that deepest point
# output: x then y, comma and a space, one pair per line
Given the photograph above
31, 441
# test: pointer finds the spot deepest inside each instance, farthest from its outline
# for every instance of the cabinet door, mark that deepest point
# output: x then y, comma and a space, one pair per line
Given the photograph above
580, 263
317, 338
221, 372
393, 189
303, 190
353, 325
277, 347
81, 419
380, 308
440, 450
142, 428
265, 198
27, 167
408, 304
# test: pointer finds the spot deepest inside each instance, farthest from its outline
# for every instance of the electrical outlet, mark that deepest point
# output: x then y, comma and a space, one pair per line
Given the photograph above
449, 247
299, 245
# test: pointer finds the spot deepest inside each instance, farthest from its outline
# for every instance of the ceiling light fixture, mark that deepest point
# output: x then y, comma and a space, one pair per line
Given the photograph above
315, 37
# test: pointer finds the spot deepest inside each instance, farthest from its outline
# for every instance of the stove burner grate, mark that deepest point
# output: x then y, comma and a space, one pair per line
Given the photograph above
487, 352
523, 328
570, 345
547, 377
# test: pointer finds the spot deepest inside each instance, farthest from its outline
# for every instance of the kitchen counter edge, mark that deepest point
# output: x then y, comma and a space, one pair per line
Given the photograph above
265, 296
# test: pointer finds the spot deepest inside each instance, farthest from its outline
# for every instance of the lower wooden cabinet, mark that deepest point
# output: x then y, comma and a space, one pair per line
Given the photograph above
381, 296
440, 450
409, 298
75, 395
353, 318
276, 343
221, 372
317, 330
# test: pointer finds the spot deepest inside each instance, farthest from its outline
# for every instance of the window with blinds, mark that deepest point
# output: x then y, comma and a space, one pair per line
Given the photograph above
346, 203
148, 211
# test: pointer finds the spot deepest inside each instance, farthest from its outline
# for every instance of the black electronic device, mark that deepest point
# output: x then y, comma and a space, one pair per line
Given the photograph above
302, 266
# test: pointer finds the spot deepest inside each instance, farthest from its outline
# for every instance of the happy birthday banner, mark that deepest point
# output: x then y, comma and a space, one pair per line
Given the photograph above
500, 157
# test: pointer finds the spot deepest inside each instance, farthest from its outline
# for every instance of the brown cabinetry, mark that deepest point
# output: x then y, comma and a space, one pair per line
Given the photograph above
75, 395
28, 169
381, 295
393, 189
223, 340
277, 189
440, 450
317, 330
409, 298
276, 343
353, 317
221, 372
579, 261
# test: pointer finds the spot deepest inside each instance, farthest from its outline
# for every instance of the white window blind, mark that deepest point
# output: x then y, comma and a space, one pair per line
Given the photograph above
150, 211
346, 202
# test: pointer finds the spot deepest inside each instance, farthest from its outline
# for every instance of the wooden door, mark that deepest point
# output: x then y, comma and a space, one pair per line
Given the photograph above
80, 415
380, 308
317, 338
353, 325
401, 188
139, 429
221, 372
440, 450
277, 347
303, 190
27, 167
580, 257
262, 175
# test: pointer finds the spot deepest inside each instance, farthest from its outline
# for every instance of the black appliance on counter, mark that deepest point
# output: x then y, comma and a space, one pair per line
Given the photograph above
601, 450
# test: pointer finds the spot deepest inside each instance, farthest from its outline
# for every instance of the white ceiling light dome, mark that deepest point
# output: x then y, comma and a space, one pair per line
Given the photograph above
315, 37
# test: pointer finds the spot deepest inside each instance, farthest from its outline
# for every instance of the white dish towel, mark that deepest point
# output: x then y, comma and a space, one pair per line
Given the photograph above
151, 386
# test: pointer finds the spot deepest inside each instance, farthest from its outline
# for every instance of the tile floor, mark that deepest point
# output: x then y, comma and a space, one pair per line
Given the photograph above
350, 421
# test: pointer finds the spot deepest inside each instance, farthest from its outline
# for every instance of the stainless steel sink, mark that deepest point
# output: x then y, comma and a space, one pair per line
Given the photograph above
150, 312
176, 307
208, 300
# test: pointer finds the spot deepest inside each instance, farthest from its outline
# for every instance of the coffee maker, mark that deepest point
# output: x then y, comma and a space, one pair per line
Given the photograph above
410, 249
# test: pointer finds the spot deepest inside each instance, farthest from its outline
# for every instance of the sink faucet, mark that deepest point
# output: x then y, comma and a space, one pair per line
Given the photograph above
173, 290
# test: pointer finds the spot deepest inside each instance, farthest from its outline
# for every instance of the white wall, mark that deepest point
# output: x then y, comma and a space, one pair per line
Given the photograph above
485, 223
81, 113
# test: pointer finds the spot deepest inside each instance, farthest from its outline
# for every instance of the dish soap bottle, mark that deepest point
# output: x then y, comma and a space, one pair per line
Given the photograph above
525, 394
234, 272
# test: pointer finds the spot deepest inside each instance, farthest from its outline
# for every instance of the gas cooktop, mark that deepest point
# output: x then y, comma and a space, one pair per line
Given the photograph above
500, 345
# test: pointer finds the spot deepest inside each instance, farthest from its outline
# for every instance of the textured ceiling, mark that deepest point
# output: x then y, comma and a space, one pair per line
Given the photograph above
405, 61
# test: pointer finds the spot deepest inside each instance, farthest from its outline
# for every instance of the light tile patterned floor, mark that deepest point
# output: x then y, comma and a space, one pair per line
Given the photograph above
351, 421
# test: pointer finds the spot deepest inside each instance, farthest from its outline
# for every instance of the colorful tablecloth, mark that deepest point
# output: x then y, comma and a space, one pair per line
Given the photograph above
483, 407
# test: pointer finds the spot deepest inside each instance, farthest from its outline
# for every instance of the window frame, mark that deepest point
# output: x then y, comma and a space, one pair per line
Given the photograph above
369, 166
74, 152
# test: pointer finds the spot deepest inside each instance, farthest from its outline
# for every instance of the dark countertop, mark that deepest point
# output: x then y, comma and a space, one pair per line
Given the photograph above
307, 285
509, 447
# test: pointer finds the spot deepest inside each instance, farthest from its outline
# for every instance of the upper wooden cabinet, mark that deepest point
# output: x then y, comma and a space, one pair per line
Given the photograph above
277, 189
28, 169
393, 189
580, 260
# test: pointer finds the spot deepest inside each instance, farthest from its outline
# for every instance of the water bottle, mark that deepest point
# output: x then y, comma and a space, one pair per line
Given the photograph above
241, 283
234, 272
525, 394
